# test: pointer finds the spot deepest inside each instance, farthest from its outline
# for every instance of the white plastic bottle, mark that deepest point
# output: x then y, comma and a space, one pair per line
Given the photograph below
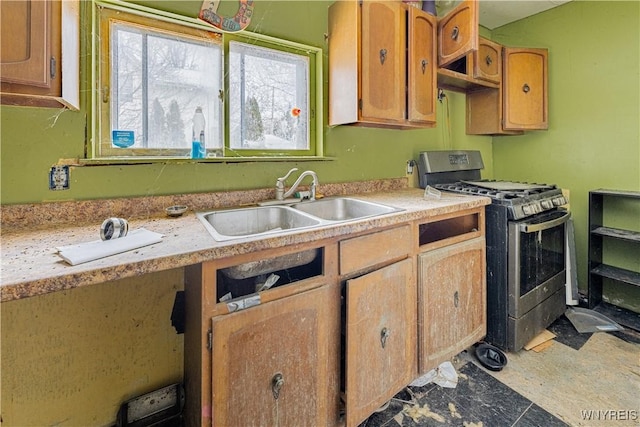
198, 147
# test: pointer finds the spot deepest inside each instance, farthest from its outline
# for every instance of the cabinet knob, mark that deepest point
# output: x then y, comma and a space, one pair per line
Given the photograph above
384, 334
456, 299
455, 33
488, 60
383, 55
424, 65
526, 88
276, 384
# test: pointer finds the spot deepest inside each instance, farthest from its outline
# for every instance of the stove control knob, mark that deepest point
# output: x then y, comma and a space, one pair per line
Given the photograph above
529, 209
534, 208
559, 201
547, 204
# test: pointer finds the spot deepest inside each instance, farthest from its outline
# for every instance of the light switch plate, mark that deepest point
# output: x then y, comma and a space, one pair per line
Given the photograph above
59, 178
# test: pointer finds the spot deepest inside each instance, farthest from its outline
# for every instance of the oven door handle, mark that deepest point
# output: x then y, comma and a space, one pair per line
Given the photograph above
532, 228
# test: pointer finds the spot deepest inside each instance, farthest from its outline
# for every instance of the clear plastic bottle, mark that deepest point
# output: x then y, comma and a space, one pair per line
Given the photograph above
198, 147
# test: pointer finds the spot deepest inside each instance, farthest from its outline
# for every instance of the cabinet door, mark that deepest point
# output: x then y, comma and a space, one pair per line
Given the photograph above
33, 71
452, 301
276, 364
487, 61
383, 67
422, 66
525, 89
25, 50
458, 33
380, 338
25, 44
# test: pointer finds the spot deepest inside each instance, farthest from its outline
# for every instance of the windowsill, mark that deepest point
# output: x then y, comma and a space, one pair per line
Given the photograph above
179, 160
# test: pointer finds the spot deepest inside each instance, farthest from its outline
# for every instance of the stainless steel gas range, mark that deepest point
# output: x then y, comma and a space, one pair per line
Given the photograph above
526, 242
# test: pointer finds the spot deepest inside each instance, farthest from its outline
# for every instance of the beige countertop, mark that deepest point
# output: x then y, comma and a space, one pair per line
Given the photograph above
31, 266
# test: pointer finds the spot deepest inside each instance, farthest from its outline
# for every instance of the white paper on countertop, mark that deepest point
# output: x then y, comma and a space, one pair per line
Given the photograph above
89, 251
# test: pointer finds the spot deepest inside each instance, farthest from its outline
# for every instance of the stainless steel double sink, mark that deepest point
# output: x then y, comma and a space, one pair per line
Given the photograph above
229, 224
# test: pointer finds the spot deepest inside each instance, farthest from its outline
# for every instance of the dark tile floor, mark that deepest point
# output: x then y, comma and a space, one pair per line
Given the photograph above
478, 400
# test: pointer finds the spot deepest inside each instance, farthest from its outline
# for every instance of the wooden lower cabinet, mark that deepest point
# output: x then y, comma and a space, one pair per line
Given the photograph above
452, 295
380, 338
366, 319
274, 364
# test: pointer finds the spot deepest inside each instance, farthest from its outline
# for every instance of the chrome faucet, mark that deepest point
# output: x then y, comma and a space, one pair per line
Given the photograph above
280, 189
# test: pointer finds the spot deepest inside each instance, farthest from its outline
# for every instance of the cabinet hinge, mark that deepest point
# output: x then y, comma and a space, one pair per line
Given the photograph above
209, 340
360, 104
52, 67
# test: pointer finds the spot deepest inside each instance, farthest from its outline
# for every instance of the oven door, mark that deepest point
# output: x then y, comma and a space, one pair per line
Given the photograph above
537, 260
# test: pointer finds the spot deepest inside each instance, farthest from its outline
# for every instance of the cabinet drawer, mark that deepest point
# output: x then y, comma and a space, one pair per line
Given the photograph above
374, 249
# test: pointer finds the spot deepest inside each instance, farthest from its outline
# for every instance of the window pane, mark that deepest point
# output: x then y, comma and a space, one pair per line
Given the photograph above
158, 80
126, 94
268, 99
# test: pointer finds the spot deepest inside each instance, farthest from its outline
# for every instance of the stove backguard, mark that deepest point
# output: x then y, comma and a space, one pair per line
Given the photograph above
441, 167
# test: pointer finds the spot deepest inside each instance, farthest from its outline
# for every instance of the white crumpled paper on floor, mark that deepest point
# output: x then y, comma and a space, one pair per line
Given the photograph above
444, 375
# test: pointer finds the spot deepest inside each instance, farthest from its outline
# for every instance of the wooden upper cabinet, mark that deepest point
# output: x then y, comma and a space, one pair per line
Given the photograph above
458, 33
381, 65
525, 89
383, 61
486, 62
33, 69
421, 66
25, 50
466, 62
521, 101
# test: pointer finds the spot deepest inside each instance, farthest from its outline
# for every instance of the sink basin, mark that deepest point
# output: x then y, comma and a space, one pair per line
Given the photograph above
343, 208
228, 224
245, 222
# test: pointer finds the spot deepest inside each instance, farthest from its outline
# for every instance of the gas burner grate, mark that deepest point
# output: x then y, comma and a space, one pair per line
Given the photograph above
495, 193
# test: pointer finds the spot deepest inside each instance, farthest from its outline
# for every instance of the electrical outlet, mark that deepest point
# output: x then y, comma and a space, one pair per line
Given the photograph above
59, 178
410, 165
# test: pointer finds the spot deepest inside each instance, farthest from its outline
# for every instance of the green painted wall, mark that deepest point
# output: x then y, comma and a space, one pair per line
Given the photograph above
73, 357
593, 139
